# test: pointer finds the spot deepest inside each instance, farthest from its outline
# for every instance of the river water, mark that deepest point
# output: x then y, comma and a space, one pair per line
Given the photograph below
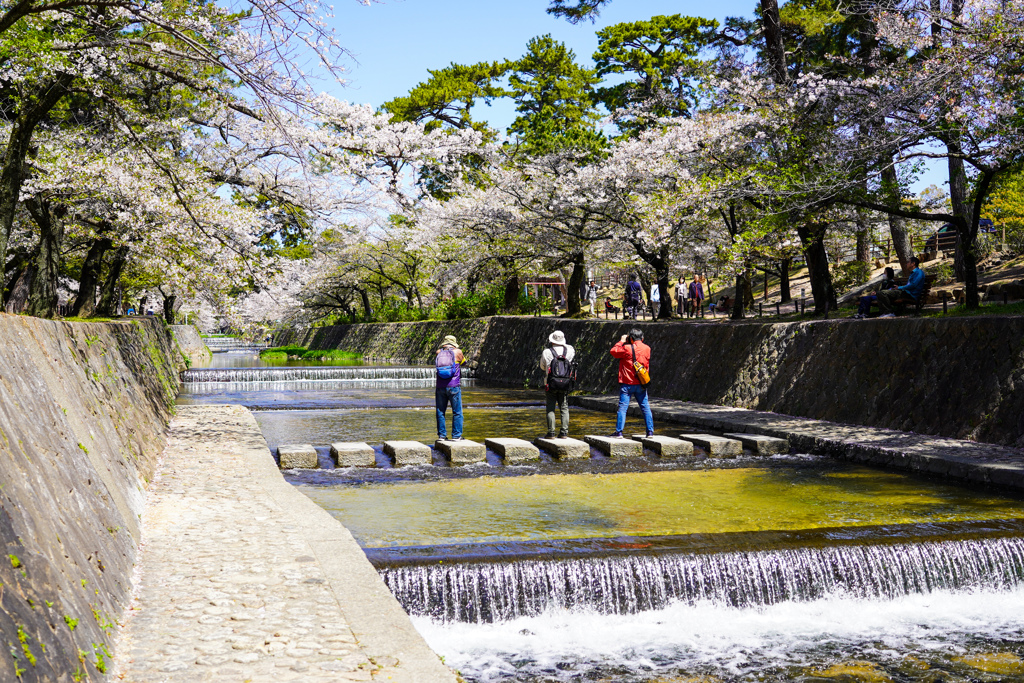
692, 569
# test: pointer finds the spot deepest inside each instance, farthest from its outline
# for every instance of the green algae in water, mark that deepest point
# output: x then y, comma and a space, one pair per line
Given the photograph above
489, 509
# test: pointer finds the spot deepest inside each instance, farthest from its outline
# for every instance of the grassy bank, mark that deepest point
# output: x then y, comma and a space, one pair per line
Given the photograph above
302, 353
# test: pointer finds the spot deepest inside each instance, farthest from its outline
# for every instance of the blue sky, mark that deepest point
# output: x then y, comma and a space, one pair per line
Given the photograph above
394, 42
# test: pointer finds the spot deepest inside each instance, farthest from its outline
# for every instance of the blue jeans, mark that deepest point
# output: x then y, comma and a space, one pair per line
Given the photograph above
639, 392
442, 397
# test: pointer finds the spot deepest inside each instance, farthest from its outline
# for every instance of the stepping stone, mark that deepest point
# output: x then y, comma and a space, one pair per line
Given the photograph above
353, 454
463, 451
665, 445
408, 452
762, 445
297, 456
716, 446
615, 446
564, 448
513, 450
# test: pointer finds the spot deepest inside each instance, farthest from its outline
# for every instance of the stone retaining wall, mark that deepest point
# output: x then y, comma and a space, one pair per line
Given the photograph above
956, 377
191, 345
83, 413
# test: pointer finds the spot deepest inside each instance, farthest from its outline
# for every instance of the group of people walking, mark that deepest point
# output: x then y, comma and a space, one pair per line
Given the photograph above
557, 360
689, 298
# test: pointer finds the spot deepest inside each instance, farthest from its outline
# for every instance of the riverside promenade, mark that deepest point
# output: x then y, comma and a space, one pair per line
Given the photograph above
243, 578
951, 459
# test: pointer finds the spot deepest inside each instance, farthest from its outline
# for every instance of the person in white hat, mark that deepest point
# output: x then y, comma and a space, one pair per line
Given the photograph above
560, 375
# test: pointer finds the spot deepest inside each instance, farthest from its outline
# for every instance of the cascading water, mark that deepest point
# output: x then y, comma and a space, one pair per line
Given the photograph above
489, 592
220, 380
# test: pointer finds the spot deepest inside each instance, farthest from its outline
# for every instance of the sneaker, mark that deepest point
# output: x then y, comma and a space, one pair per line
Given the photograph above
458, 438
650, 434
887, 315
615, 435
549, 435
563, 435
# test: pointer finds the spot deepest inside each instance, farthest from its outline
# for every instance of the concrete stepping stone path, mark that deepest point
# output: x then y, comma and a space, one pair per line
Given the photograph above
665, 446
461, 452
762, 445
408, 452
297, 456
564, 448
615, 446
513, 450
353, 454
715, 446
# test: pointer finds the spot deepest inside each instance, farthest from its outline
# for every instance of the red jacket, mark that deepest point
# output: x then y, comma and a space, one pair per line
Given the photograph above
624, 352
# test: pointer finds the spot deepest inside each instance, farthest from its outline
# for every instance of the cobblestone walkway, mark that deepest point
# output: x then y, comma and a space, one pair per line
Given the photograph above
229, 587
969, 461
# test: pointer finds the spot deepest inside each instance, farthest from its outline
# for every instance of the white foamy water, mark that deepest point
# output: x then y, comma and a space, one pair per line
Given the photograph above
706, 638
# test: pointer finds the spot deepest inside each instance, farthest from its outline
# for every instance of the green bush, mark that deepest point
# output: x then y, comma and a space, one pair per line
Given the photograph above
849, 274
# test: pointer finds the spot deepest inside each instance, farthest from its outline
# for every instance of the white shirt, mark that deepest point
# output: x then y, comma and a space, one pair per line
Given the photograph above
655, 293
562, 349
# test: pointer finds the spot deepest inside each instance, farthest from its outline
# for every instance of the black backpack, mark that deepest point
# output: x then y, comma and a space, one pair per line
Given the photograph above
561, 372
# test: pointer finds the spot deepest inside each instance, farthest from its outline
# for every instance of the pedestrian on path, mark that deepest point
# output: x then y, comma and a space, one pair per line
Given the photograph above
592, 296
632, 352
449, 387
682, 300
632, 298
696, 297
557, 362
655, 300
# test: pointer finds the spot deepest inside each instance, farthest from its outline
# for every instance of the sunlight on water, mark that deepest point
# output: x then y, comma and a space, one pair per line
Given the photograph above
647, 504
912, 638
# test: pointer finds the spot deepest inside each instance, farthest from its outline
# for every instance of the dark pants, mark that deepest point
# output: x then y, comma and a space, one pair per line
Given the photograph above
888, 299
864, 307
557, 400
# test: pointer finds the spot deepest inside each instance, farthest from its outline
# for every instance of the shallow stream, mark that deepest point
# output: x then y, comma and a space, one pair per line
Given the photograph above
692, 569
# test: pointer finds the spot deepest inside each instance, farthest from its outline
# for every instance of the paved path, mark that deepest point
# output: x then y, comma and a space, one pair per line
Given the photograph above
243, 578
968, 461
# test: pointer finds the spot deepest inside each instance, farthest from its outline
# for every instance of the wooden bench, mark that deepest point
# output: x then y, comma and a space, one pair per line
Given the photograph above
900, 306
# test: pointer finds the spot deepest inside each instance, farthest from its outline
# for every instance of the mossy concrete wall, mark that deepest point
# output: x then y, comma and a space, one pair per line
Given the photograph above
957, 377
83, 414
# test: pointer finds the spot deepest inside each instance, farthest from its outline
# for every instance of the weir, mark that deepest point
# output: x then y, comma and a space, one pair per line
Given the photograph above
501, 591
307, 378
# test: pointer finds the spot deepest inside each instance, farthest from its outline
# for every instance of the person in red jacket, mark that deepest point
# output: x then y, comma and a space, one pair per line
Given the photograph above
631, 347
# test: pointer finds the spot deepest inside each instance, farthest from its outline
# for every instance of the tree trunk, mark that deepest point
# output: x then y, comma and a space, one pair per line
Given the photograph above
365, 297
813, 239
664, 292
863, 239
897, 226
108, 299
738, 296
775, 50
511, 300
85, 302
961, 208
784, 292
169, 308
42, 297
35, 108
579, 274
18, 296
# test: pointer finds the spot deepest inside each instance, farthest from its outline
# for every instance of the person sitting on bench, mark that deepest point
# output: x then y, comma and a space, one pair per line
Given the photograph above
908, 293
888, 282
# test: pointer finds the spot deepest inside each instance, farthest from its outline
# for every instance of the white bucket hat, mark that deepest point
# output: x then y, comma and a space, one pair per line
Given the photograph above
557, 337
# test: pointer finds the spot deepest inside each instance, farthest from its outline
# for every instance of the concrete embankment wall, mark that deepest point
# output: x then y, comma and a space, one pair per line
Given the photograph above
957, 377
83, 414
191, 345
